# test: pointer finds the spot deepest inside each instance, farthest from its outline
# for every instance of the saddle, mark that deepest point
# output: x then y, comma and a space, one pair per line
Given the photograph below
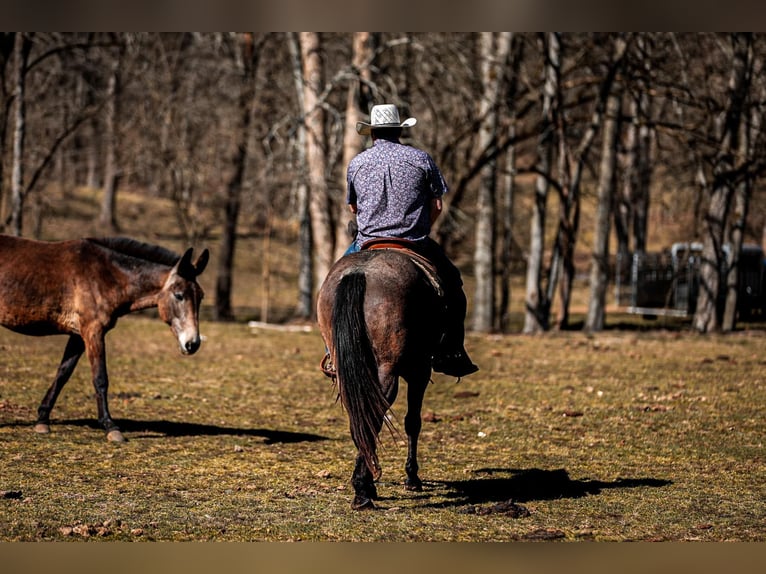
411, 250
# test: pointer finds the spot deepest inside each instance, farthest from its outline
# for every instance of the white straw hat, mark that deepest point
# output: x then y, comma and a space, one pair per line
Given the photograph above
384, 116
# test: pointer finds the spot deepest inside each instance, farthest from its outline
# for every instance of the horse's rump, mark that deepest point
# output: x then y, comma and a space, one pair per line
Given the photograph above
403, 298
410, 249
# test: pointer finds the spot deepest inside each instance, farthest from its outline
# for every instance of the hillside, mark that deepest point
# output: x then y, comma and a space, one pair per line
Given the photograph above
265, 280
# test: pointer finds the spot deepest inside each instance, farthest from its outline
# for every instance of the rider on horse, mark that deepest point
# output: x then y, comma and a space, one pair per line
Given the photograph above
396, 192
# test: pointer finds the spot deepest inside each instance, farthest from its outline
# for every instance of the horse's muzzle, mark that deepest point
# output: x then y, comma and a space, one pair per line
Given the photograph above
190, 346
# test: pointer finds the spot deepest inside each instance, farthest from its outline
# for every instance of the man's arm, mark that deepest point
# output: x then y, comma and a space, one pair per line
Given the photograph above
436, 208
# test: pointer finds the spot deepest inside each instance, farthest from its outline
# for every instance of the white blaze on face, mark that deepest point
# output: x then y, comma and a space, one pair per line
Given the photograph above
181, 316
188, 336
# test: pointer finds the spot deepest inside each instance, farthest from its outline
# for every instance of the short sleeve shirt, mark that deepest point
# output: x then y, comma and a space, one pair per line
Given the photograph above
392, 185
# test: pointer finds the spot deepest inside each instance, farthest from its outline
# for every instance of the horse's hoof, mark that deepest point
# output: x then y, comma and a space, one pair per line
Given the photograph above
362, 503
115, 436
42, 428
413, 486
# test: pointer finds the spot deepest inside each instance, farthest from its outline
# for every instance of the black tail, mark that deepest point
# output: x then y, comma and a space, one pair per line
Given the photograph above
358, 382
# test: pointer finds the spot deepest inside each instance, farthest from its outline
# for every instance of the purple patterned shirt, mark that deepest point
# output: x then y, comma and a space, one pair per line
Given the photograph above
392, 186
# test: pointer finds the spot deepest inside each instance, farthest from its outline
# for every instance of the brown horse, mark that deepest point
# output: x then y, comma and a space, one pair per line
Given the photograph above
380, 313
81, 287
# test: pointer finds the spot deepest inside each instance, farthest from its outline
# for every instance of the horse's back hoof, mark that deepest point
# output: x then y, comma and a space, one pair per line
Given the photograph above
413, 486
42, 428
362, 503
115, 436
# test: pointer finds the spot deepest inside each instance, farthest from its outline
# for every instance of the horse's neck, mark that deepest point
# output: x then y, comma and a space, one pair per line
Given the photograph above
145, 285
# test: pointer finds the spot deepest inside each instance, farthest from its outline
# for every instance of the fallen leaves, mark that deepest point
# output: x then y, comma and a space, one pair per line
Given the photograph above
103, 530
506, 508
544, 534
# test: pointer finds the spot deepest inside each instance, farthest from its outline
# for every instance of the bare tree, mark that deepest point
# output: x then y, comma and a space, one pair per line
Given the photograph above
305, 308
358, 101
708, 314
108, 215
180, 124
22, 47
537, 304
599, 273
246, 55
508, 187
493, 53
631, 210
37, 58
316, 144
743, 191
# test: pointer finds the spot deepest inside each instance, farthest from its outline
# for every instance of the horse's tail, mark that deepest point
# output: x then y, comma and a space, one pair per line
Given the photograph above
358, 382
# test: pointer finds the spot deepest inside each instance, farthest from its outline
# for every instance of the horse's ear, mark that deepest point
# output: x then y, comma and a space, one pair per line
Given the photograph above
184, 266
202, 261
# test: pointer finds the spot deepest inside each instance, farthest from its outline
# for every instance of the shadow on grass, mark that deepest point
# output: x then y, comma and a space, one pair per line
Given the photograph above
176, 429
524, 485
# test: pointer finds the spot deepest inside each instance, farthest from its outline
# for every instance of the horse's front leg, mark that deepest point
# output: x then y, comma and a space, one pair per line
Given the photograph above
72, 353
412, 425
96, 350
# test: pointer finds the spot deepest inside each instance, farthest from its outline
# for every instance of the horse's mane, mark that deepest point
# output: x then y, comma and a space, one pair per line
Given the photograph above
137, 249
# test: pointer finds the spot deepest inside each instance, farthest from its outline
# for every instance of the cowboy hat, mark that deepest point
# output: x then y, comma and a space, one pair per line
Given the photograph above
384, 116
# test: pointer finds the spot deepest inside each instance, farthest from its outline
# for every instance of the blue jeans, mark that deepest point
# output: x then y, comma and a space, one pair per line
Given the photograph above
353, 248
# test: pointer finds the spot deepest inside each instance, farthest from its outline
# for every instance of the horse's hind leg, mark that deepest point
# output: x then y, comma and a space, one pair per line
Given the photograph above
412, 425
72, 353
364, 486
363, 480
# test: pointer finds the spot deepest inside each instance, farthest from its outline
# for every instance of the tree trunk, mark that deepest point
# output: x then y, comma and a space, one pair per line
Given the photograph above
631, 211
247, 59
709, 311
493, 54
6, 49
571, 166
508, 192
358, 100
21, 49
627, 190
537, 304
644, 164
599, 272
107, 216
316, 144
742, 195
643, 158
304, 309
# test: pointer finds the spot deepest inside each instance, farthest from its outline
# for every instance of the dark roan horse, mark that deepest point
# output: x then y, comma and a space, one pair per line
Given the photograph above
81, 287
380, 315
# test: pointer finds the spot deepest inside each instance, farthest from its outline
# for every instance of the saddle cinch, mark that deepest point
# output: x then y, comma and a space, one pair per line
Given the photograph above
411, 249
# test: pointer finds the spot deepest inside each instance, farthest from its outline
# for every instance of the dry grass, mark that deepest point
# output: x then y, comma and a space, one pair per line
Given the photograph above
622, 436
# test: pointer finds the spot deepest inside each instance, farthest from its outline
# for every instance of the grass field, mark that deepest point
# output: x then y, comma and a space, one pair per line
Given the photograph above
627, 435
646, 431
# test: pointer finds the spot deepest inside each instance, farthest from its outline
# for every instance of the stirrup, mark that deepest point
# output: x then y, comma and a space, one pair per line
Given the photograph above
454, 364
327, 367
